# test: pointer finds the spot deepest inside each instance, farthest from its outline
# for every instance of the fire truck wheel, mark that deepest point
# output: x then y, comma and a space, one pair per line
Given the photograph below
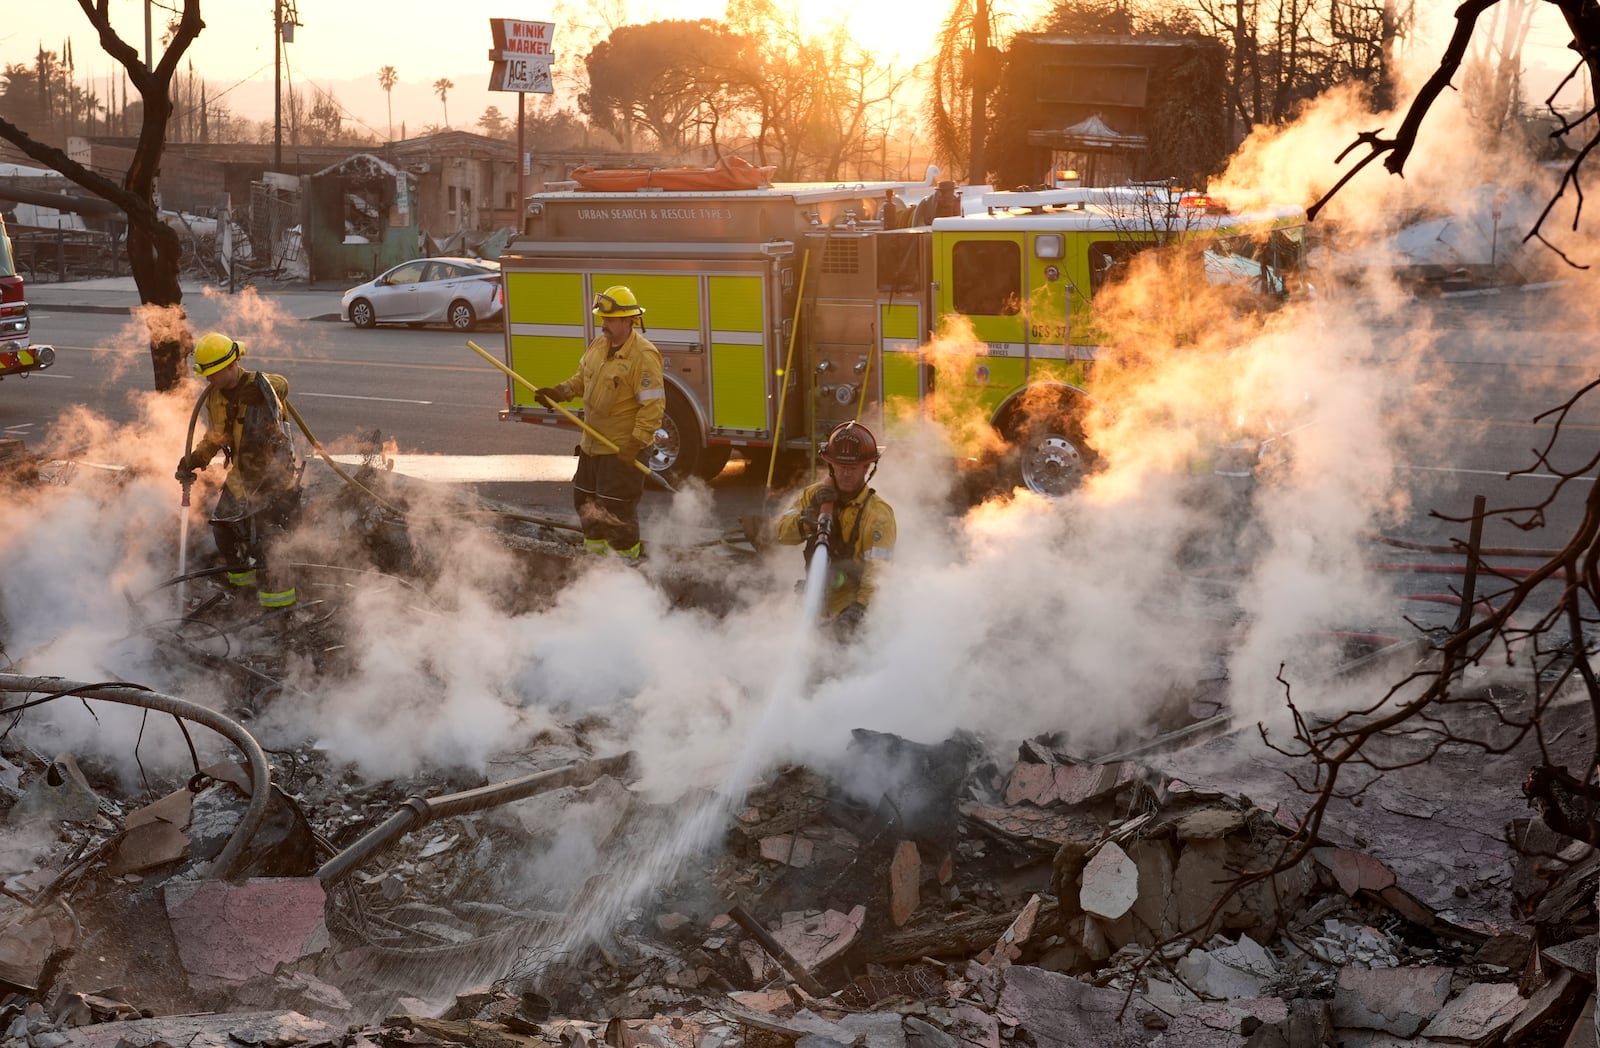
1047, 453
681, 451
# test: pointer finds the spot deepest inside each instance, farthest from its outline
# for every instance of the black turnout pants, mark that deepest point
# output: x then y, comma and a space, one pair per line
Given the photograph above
605, 491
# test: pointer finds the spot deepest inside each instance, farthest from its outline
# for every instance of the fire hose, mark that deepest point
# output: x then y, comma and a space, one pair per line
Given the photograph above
129, 695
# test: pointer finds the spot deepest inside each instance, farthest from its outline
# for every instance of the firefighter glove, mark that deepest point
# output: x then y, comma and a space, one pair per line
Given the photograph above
628, 449
849, 619
824, 496
547, 395
188, 464
756, 530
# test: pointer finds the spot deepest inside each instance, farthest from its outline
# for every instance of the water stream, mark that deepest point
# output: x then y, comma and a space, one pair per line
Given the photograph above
656, 858
183, 553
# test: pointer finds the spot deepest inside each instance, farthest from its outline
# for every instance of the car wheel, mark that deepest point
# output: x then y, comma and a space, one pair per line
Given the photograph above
461, 315
362, 315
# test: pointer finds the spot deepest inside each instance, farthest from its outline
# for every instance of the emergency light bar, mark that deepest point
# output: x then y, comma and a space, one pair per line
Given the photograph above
1209, 204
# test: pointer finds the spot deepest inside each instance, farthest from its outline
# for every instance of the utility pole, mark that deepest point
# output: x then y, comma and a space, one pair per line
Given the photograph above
277, 85
284, 18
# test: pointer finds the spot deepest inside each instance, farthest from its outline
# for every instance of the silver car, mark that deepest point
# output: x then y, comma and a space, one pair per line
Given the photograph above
455, 291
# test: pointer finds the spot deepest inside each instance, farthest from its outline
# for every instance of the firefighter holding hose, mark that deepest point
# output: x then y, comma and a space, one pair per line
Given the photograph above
246, 421
853, 520
624, 399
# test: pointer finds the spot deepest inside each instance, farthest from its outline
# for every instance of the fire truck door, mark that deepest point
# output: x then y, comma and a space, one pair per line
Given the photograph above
1048, 303
980, 277
738, 352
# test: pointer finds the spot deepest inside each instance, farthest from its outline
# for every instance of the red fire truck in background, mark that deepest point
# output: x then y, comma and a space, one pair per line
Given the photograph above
17, 355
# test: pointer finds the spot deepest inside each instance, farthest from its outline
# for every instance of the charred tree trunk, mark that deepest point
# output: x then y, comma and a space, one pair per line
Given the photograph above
154, 250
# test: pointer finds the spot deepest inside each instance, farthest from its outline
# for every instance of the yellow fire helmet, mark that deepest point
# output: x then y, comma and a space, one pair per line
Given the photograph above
617, 301
215, 351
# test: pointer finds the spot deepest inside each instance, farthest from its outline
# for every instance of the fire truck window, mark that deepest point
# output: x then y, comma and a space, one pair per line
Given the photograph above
987, 277
1109, 262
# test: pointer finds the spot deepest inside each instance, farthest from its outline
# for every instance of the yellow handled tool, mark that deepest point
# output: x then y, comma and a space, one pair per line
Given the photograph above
575, 420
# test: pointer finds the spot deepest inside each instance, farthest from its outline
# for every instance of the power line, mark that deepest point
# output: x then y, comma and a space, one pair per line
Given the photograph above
330, 95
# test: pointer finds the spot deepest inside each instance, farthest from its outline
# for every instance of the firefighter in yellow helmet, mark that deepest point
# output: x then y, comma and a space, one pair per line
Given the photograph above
246, 421
619, 380
853, 520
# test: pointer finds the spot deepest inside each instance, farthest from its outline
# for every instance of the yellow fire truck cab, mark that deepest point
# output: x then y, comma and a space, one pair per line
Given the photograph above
837, 290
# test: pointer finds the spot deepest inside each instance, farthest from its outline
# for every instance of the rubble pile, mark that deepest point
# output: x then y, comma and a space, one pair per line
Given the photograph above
1041, 899
970, 896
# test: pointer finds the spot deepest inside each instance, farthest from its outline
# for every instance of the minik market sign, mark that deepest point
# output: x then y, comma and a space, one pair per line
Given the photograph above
521, 55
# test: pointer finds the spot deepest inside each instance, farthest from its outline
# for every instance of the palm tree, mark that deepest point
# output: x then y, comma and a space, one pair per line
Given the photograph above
388, 77
964, 68
441, 87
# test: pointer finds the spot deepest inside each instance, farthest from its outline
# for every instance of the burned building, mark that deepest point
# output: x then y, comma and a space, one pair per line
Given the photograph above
1112, 109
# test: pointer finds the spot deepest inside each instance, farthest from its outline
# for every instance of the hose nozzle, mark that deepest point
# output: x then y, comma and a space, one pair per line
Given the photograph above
819, 536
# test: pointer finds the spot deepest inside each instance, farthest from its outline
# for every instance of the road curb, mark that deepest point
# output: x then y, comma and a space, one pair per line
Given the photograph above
73, 307
78, 307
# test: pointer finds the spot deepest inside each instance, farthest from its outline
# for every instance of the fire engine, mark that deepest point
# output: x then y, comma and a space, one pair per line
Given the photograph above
783, 310
17, 356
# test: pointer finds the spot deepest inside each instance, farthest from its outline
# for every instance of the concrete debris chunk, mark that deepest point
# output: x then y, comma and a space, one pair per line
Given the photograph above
1209, 824
1070, 784
1110, 883
1400, 1001
269, 1029
1058, 1011
1154, 915
1206, 870
973, 1026
61, 794
1577, 955
920, 1033
905, 883
771, 1001
1477, 1013
1355, 871
1223, 1025
1019, 931
227, 933
814, 939
1238, 970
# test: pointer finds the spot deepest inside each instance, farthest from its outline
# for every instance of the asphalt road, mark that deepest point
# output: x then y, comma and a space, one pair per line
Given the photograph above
423, 389
1470, 374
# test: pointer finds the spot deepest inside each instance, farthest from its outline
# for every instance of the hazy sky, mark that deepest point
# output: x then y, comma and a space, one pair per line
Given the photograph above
340, 46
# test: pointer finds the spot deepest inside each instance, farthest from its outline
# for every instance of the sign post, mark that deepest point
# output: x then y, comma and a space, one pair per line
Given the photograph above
521, 55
